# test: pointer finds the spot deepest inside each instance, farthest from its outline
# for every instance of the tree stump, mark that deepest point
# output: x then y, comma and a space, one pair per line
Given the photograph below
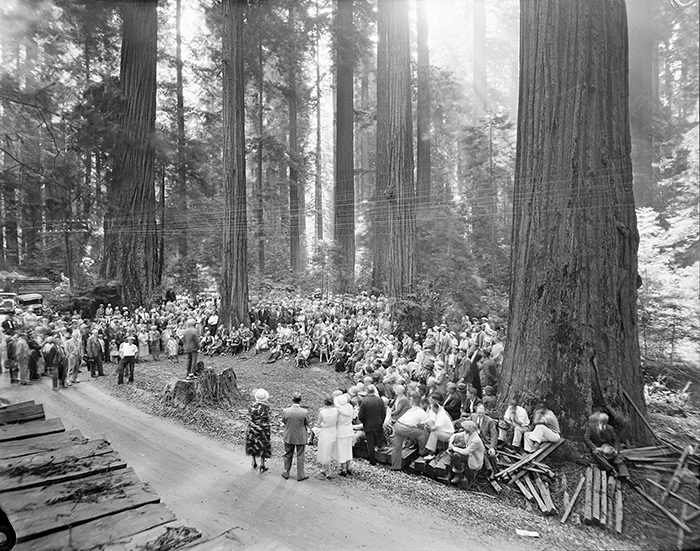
208, 387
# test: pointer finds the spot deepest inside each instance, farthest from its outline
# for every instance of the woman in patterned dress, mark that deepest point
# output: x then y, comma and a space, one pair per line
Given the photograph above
257, 438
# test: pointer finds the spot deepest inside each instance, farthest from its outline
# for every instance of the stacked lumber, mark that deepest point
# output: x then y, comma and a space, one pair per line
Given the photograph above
530, 475
60, 490
602, 505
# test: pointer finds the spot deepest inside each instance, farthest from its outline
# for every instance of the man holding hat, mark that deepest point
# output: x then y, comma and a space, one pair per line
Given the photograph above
295, 437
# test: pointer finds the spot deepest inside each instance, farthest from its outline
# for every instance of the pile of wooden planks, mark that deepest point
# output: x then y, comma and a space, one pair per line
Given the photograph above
530, 475
59, 490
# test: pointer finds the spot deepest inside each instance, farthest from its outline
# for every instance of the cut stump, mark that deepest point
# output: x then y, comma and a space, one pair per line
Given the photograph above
208, 387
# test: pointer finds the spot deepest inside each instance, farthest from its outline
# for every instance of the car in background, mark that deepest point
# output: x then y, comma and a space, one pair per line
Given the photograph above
8, 302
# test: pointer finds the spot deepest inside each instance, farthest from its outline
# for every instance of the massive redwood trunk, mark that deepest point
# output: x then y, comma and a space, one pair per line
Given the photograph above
234, 278
180, 112
423, 108
296, 188
131, 241
573, 319
344, 222
400, 191
380, 207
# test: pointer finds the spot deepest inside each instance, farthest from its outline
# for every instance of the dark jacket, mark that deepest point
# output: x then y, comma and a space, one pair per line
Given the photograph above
372, 413
487, 430
594, 437
453, 406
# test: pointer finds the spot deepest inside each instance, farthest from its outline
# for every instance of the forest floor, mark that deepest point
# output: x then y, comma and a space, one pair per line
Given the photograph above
643, 528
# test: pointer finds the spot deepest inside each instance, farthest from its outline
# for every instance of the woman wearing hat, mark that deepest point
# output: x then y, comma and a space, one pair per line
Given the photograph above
257, 438
327, 423
345, 415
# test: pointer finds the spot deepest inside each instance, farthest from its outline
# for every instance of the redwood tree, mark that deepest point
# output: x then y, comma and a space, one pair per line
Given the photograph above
573, 297
180, 112
344, 222
234, 278
131, 247
423, 107
399, 191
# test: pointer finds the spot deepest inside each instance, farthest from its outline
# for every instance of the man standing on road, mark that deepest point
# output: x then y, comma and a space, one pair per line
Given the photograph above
127, 353
94, 354
372, 414
22, 357
72, 351
296, 422
190, 343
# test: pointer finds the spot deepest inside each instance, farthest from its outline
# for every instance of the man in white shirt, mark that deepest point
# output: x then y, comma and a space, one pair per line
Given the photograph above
439, 425
409, 425
515, 418
127, 352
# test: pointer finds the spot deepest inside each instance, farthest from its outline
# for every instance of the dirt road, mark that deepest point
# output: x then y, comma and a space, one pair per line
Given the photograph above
212, 487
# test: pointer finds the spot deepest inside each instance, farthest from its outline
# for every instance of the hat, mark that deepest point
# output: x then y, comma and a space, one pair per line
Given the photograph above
261, 395
461, 386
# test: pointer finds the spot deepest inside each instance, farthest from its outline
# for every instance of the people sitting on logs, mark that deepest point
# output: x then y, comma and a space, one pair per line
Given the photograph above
489, 434
545, 428
453, 402
466, 451
515, 421
469, 405
438, 425
604, 444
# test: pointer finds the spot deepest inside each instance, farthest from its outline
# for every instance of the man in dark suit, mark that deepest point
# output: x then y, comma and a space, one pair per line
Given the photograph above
488, 431
604, 444
296, 422
372, 414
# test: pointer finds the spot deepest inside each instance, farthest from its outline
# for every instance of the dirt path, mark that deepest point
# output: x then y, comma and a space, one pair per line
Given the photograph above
212, 487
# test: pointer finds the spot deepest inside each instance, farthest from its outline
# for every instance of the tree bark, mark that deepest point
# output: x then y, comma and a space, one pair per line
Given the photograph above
380, 210
423, 108
642, 43
259, 210
400, 191
182, 225
572, 317
318, 180
295, 212
234, 280
131, 239
480, 85
344, 197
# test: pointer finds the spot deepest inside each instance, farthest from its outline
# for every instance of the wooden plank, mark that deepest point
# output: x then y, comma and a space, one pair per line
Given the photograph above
549, 449
517, 465
681, 533
524, 490
668, 514
30, 429
495, 485
546, 497
40, 444
674, 494
676, 474
603, 498
21, 413
619, 511
41, 511
571, 504
588, 503
612, 482
102, 532
692, 516
70, 464
596, 496
641, 416
533, 491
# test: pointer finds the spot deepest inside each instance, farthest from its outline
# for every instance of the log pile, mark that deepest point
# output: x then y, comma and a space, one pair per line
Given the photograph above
602, 502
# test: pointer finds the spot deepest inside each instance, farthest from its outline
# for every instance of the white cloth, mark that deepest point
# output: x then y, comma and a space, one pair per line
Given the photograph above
414, 417
540, 434
327, 435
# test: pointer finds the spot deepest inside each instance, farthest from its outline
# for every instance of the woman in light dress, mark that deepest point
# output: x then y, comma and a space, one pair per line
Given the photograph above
327, 422
345, 415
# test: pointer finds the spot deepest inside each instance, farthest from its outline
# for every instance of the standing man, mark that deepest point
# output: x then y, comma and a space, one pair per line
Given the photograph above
372, 414
296, 422
22, 357
72, 351
127, 355
190, 343
94, 354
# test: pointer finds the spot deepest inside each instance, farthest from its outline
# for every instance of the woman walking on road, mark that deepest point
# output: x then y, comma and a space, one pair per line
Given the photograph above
257, 438
327, 422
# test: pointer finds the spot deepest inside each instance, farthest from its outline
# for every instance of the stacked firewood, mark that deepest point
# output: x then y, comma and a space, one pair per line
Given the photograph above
530, 475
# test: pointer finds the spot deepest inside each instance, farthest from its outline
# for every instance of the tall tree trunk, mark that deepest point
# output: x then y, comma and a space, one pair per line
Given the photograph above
182, 225
572, 319
318, 180
400, 191
344, 196
423, 108
234, 280
380, 210
480, 85
259, 210
8, 176
294, 206
31, 161
642, 41
131, 239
